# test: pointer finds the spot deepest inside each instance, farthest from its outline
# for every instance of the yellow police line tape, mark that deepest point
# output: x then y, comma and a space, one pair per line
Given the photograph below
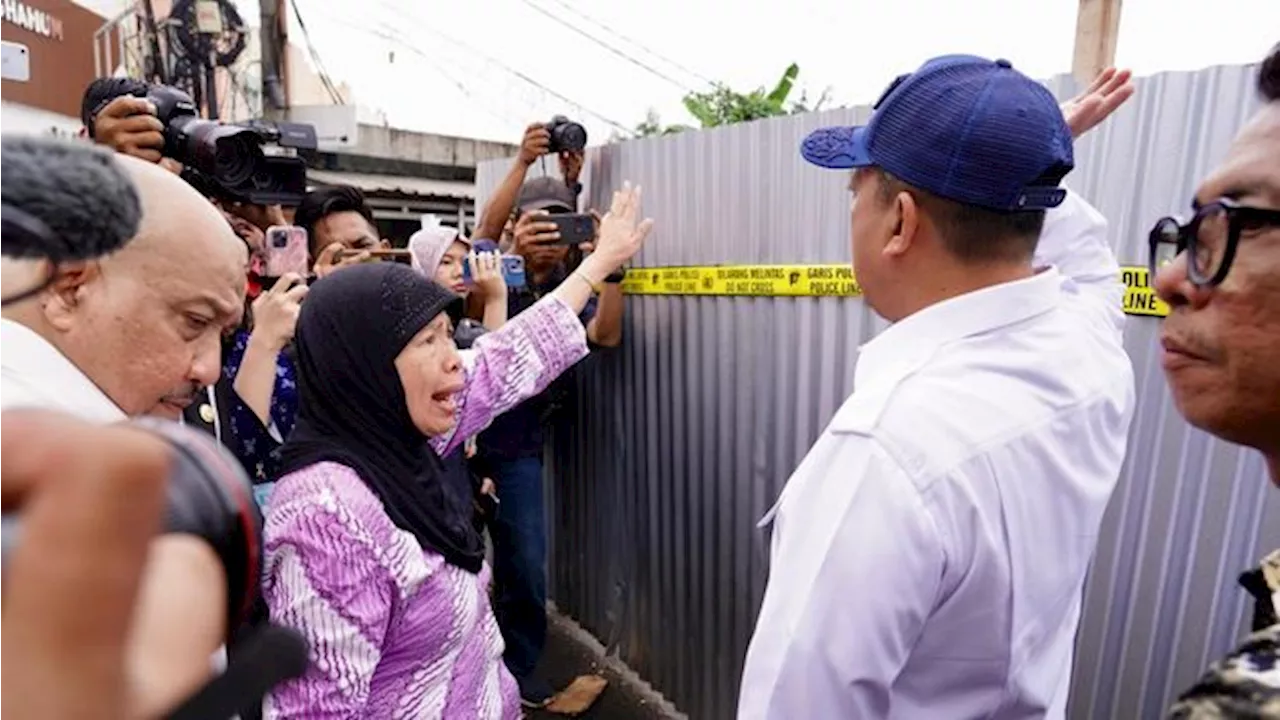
817, 281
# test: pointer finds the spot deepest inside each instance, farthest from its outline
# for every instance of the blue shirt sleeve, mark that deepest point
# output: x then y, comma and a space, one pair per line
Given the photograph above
247, 437
250, 441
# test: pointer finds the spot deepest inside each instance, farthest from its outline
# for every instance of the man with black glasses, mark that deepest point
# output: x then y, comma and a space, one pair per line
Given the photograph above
1220, 275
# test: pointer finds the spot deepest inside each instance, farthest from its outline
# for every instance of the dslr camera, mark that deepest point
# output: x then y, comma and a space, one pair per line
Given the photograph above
227, 160
566, 134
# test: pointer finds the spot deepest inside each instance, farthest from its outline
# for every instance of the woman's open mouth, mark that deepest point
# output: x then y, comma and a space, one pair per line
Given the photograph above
446, 399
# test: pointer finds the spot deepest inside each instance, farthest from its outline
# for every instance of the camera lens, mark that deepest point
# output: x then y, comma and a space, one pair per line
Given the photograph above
263, 179
279, 240
235, 159
573, 136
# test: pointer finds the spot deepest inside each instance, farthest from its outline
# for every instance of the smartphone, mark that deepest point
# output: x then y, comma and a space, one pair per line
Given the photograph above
512, 271
575, 228
285, 251
15, 61
399, 255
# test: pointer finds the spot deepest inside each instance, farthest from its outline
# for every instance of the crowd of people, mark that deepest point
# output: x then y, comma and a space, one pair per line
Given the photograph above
388, 414
296, 376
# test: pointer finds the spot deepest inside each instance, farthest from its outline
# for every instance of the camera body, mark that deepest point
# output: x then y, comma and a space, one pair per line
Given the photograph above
227, 161
566, 134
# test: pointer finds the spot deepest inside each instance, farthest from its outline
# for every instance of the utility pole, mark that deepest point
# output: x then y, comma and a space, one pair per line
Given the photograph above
206, 24
274, 37
157, 68
1097, 26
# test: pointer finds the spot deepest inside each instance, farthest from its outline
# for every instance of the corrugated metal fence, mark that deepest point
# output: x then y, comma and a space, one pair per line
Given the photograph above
674, 445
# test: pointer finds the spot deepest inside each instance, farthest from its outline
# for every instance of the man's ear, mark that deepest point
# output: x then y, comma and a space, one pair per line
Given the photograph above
66, 293
906, 219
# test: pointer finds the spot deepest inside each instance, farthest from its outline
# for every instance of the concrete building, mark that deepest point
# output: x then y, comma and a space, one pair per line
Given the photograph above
405, 174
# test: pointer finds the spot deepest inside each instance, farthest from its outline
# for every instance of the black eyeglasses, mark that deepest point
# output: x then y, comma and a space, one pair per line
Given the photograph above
1210, 237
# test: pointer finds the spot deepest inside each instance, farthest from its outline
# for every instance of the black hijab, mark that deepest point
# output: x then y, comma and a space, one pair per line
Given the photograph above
352, 406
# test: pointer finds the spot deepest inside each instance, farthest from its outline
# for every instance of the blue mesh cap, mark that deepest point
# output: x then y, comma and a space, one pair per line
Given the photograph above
964, 128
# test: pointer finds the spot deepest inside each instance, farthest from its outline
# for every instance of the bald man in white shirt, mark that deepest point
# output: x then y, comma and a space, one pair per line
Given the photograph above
135, 332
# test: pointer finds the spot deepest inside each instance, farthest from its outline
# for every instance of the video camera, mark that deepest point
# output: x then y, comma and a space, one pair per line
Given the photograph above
227, 160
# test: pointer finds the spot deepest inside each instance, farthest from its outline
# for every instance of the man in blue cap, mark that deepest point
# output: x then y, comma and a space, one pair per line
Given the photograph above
930, 551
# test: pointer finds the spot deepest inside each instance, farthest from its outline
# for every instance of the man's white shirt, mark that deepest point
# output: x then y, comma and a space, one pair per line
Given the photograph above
34, 374
929, 553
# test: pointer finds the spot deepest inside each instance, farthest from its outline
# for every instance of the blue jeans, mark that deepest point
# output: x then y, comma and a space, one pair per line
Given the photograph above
520, 563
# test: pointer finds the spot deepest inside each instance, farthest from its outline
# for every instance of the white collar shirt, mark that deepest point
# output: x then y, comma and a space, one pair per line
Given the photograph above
34, 374
929, 553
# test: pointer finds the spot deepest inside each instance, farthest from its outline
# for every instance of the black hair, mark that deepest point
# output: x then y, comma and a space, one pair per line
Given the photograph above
102, 91
329, 200
971, 233
1269, 76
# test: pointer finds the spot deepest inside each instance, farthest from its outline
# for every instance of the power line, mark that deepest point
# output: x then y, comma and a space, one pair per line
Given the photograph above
418, 24
459, 84
638, 63
632, 41
315, 57
392, 35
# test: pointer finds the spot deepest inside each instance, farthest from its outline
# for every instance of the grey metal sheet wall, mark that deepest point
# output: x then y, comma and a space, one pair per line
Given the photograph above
674, 445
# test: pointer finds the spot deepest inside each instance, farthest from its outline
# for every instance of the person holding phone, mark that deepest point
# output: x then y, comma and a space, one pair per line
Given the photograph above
538, 220
262, 372
254, 402
340, 228
441, 253
548, 233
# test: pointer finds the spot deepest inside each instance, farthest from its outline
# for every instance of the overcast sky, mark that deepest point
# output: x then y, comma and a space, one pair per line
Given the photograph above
455, 66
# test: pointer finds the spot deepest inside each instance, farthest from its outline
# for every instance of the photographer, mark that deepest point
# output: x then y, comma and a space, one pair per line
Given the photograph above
117, 114
517, 215
511, 449
106, 333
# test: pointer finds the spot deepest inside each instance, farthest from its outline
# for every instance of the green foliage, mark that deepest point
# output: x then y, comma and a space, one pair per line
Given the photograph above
652, 125
722, 105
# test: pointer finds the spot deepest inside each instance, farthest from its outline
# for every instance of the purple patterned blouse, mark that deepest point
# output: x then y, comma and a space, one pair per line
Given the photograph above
395, 631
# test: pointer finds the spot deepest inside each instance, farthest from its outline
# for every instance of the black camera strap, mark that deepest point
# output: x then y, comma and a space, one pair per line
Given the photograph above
268, 657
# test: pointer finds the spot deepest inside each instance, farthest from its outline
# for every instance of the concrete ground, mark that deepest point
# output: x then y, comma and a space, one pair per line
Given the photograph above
572, 651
